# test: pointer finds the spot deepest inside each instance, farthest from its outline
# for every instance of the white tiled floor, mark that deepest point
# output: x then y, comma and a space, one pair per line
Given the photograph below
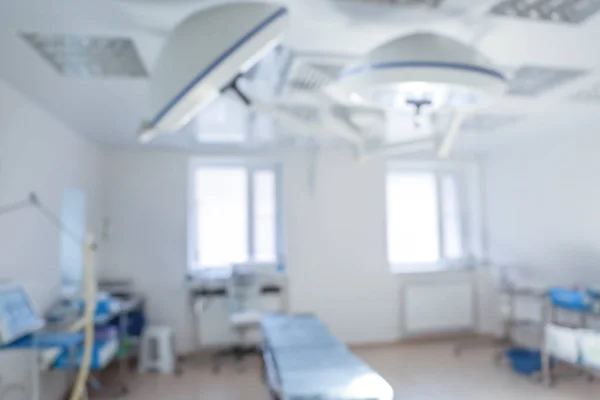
417, 372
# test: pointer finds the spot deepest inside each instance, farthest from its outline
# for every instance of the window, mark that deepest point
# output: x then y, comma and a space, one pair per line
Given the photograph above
425, 224
234, 215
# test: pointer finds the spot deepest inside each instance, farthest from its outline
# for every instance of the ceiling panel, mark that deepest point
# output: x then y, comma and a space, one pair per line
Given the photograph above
483, 123
560, 11
536, 80
426, 3
310, 72
590, 94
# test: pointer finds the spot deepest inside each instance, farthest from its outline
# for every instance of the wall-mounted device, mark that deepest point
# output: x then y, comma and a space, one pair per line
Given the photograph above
18, 316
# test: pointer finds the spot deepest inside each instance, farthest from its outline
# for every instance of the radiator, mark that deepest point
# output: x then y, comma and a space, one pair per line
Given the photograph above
438, 306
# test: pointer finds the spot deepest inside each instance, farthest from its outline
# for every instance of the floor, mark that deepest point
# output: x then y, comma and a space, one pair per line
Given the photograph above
417, 372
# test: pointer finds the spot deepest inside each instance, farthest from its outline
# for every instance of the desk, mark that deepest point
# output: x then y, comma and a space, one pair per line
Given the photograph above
304, 361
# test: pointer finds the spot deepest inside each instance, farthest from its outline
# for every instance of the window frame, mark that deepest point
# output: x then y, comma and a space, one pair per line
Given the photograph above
466, 176
251, 167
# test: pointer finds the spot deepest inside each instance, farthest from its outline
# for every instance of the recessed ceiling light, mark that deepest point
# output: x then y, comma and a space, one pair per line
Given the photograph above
533, 80
427, 3
482, 123
81, 56
564, 11
306, 113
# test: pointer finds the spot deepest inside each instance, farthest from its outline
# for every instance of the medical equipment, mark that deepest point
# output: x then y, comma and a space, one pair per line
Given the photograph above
525, 361
186, 81
303, 360
201, 59
425, 72
513, 298
571, 343
17, 314
563, 343
590, 349
243, 291
208, 294
87, 322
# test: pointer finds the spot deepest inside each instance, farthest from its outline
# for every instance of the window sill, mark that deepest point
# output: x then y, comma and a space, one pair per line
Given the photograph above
203, 274
224, 273
412, 269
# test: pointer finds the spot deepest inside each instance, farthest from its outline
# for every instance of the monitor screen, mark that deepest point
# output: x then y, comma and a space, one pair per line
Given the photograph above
17, 314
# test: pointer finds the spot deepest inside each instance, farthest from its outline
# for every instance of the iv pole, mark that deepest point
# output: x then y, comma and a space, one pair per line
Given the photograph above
79, 390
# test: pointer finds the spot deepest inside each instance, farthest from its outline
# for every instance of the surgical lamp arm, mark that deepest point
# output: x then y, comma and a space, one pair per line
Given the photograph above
453, 131
341, 128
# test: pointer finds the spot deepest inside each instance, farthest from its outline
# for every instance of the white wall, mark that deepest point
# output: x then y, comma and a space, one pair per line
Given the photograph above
336, 246
146, 204
335, 243
38, 153
542, 202
543, 224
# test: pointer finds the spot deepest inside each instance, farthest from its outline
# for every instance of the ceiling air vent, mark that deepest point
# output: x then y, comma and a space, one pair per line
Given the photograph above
589, 95
425, 3
483, 123
561, 11
307, 73
532, 81
88, 56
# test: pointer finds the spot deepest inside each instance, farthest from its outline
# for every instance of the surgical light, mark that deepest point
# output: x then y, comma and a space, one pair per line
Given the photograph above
425, 72
204, 55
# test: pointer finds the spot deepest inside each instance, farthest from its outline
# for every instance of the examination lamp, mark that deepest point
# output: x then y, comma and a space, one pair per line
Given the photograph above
204, 56
425, 72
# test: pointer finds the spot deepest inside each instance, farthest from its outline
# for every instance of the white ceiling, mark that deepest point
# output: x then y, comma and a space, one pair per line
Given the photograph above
110, 110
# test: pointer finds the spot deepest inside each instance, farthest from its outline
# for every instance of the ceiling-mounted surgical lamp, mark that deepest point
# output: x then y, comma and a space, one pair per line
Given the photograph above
204, 56
426, 72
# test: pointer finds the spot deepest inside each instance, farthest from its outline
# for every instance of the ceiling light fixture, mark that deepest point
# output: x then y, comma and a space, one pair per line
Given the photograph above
425, 72
488, 122
204, 56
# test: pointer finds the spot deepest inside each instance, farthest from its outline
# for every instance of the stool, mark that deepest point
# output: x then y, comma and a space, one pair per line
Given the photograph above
157, 350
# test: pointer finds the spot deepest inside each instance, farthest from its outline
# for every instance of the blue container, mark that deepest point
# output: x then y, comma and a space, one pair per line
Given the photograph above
525, 361
571, 299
